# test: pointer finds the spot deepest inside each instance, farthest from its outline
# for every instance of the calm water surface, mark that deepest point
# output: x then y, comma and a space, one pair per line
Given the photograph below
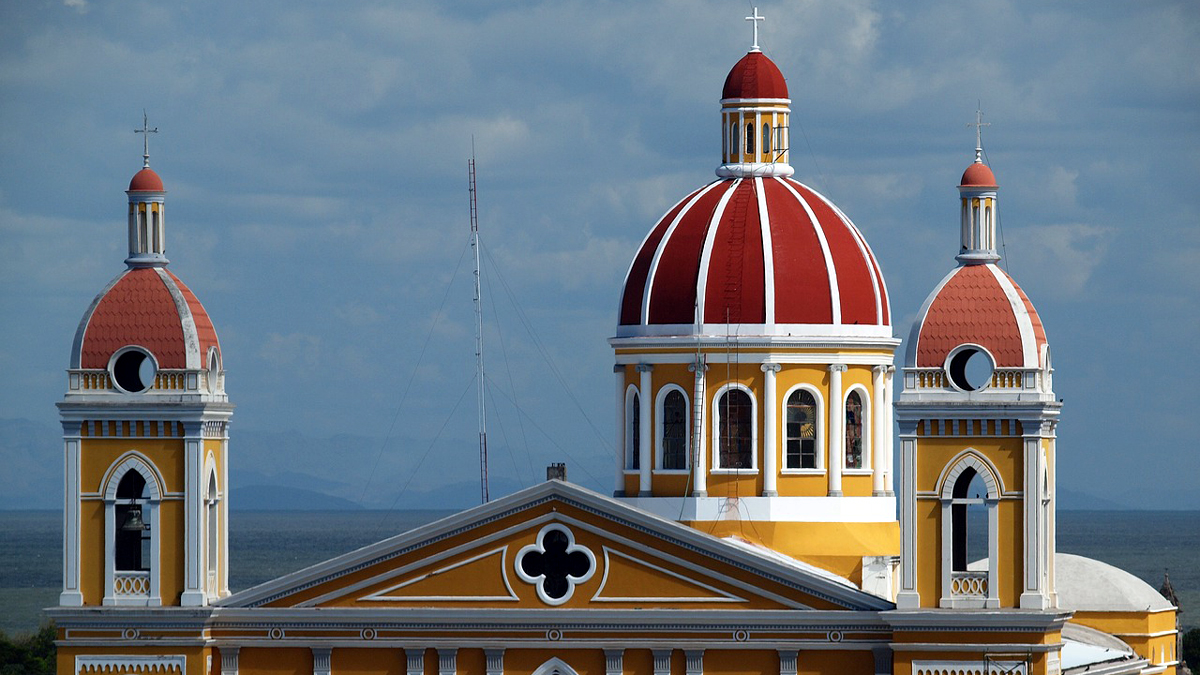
266, 544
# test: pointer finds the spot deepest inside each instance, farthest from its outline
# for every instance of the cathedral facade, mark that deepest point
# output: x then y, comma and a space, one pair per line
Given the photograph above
756, 525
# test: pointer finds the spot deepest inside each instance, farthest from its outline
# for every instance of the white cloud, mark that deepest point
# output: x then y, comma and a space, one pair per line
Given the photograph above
1059, 258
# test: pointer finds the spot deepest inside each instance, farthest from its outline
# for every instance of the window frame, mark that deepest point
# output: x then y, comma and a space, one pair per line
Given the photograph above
822, 445
715, 447
866, 425
660, 429
132, 461
633, 410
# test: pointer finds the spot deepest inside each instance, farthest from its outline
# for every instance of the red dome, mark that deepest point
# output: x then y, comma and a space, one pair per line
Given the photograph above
146, 181
151, 308
755, 76
765, 251
978, 175
982, 305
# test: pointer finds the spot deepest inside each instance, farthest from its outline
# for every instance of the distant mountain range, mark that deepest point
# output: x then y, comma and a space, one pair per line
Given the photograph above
355, 472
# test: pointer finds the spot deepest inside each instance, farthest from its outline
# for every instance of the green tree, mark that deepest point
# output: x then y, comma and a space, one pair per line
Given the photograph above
28, 654
1191, 648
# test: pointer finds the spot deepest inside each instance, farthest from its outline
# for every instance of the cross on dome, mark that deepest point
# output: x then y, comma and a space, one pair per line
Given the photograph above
979, 124
146, 130
755, 18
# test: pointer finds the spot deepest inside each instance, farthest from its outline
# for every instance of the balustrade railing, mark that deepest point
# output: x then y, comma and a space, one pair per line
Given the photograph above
131, 584
969, 584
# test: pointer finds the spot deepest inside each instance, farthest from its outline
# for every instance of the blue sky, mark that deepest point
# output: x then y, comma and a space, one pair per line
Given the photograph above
315, 157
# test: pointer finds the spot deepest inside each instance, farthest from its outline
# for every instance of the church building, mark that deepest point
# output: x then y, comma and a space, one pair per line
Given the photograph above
756, 522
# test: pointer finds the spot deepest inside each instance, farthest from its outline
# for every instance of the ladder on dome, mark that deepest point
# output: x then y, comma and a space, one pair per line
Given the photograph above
479, 374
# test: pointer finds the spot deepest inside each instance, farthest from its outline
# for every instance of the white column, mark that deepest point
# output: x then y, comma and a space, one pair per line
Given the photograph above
908, 598
662, 661
645, 454
223, 516
193, 518
694, 661
889, 411
447, 661
1052, 515
837, 434
770, 433
110, 552
71, 596
493, 661
619, 377
321, 660
946, 548
614, 661
879, 444
1033, 596
700, 433
993, 594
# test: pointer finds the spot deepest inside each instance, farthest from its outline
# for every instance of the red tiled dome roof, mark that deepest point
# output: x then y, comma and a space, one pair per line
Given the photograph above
146, 181
151, 308
982, 305
755, 76
978, 175
764, 251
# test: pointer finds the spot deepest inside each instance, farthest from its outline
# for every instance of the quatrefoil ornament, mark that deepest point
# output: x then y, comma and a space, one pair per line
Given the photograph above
555, 564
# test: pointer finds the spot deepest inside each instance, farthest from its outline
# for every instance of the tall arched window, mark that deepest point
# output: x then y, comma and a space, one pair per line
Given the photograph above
131, 548
766, 138
633, 429
735, 430
854, 431
750, 138
801, 448
674, 430
734, 144
213, 538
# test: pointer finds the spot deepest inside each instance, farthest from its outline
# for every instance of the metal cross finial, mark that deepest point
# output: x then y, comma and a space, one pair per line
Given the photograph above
146, 139
979, 124
755, 19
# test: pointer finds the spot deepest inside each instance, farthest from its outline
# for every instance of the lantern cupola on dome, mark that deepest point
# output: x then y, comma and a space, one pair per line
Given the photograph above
147, 216
754, 117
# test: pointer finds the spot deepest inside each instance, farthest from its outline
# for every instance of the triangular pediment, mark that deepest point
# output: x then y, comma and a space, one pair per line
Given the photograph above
557, 545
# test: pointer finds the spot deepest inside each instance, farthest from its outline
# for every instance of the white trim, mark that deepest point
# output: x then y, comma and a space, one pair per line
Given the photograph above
771, 509
764, 223
555, 666
191, 338
112, 361
710, 236
847, 335
81, 331
868, 257
819, 448
943, 667
660, 400
716, 430
970, 457
914, 335
379, 596
721, 596
688, 357
135, 664
835, 296
1029, 348
662, 246
132, 461
572, 547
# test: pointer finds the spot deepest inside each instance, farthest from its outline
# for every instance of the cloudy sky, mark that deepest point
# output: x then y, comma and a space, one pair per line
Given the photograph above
315, 155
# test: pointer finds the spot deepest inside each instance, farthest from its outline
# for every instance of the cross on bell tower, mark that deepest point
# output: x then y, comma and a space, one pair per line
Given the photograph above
145, 131
754, 19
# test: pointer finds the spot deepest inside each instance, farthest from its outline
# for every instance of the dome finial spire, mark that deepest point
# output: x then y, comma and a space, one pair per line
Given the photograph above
979, 124
146, 130
755, 18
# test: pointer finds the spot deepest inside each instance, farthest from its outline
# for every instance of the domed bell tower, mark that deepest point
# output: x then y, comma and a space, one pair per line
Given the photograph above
977, 418
145, 420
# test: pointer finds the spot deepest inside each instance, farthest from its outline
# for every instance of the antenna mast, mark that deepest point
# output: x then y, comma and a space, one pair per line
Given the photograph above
483, 453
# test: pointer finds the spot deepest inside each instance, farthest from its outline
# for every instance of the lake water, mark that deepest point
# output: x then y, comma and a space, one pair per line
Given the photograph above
264, 545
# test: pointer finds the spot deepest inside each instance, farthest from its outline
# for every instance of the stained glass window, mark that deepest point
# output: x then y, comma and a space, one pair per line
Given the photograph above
735, 430
674, 438
854, 430
801, 421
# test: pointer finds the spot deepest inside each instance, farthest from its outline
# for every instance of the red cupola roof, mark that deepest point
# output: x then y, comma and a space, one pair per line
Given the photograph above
980, 305
755, 76
768, 254
151, 308
978, 175
146, 181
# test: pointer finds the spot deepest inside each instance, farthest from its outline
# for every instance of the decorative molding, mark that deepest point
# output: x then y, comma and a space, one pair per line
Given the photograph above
662, 661
382, 595
131, 664
718, 594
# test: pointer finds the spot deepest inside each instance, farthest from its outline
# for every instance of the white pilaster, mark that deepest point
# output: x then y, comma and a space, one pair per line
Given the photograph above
662, 661
229, 660
837, 437
1052, 516
619, 377
645, 453
614, 661
447, 661
110, 551
947, 552
879, 444
699, 433
321, 660
494, 661
1034, 596
223, 517
694, 662
908, 598
993, 511
889, 412
770, 431
415, 658
193, 517
788, 662
71, 595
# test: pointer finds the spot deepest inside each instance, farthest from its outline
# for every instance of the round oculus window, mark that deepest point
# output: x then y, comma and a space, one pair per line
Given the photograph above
133, 370
970, 368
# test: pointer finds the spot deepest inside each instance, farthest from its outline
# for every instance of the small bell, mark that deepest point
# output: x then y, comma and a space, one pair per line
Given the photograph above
133, 520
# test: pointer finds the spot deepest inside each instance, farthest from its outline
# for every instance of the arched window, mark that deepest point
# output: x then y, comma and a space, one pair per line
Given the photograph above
750, 138
735, 430
673, 439
801, 428
131, 548
854, 431
633, 429
213, 539
970, 495
734, 145
969, 516
766, 138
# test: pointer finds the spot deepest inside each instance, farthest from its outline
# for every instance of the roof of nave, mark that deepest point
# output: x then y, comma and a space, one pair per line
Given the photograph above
977, 304
641, 562
151, 308
1084, 584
